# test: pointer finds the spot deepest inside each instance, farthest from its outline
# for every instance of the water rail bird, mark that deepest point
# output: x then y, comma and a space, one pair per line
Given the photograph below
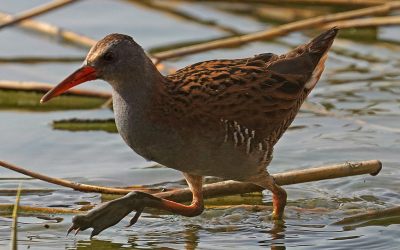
213, 118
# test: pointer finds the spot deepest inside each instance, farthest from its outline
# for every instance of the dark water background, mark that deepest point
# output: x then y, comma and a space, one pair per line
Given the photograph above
361, 80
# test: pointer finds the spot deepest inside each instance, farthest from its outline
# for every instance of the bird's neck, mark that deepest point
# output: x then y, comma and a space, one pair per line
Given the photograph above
133, 90
131, 102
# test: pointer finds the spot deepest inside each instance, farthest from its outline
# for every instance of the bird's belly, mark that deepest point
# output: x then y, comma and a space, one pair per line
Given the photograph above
200, 155
221, 161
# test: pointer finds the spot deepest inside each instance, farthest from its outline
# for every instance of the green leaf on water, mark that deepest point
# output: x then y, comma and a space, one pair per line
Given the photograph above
75, 124
30, 100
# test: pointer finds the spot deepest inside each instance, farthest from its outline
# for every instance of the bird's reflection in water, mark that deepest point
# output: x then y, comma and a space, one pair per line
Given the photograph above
277, 233
191, 237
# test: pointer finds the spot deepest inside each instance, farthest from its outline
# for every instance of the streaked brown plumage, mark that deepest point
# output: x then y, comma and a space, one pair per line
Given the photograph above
218, 117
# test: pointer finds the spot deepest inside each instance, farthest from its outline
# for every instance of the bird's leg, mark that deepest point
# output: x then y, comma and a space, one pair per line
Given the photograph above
279, 195
114, 211
195, 183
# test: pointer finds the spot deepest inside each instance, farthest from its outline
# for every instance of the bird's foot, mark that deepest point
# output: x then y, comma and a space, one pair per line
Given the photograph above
279, 198
111, 213
275, 216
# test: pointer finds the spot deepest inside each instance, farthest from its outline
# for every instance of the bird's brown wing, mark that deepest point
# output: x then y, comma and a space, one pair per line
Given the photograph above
261, 94
243, 91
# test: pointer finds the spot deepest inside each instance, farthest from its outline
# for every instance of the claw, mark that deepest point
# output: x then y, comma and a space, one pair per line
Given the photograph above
111, 213
136, 217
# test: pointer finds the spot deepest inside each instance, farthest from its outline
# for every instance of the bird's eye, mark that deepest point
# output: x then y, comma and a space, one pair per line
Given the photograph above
109, 56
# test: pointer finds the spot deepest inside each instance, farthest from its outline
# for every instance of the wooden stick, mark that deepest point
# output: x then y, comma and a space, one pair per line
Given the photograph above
170, 9
43, 87
285, 14
278, 31
29, 209
32, 60
234, 187
61, 35
319, 2
389, 212
274, 13
257, 208
226, 187
35, 12
53, 31
73, 185
326, 112
365, 22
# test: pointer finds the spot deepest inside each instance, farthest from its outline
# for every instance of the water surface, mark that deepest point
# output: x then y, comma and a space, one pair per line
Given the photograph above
361, 81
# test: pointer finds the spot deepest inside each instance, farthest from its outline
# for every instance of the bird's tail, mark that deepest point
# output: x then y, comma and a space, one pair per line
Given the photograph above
318, 49
319, 46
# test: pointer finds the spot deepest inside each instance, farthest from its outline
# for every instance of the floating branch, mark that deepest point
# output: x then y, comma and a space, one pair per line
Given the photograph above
29, 100
318, 2
169, 8
234, 187
40, 59
385, 213
225, 188
73, 185
274, 13
278, 31
26, 95
61, 35
365, 22
326, 112
9, 192
8, 208
35, 12
43, 87
256, 208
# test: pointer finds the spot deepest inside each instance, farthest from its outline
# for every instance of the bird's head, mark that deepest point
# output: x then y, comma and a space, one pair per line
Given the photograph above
115, 59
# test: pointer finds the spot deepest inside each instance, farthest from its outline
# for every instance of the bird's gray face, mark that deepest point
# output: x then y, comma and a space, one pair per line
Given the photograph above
114, 60
110, 60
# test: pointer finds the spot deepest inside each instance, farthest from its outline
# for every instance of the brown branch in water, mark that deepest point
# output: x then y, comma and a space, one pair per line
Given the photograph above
326, 112
170, 9
43, 87
8, 208
365, 22
33, 60
76, 186
285, 14
273, 13
257, 208
39, 10
313, 2
73, 185
278, 31
385, 213
225, 188
61, 35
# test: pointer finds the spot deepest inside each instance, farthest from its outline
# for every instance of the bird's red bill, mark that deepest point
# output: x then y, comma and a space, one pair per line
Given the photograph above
84, 74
